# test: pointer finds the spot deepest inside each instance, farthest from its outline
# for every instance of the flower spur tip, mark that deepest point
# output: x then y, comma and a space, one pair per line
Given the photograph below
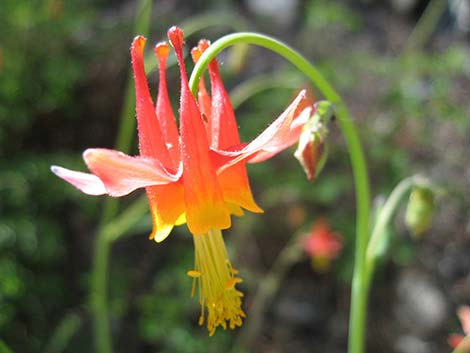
203, 44
162, 50
176, 37
138, 42
195, 54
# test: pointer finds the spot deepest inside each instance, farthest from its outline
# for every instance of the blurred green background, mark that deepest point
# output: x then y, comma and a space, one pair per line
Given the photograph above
404, 70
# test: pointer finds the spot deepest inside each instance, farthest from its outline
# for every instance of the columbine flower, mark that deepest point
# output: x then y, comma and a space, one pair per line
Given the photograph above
197, 176
454, 340
322, 245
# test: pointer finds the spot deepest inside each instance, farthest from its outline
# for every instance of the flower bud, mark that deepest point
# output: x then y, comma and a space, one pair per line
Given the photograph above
311, 153
312, 150
420, 210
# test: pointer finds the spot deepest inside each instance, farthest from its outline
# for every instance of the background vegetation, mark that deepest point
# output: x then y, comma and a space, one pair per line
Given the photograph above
63, 72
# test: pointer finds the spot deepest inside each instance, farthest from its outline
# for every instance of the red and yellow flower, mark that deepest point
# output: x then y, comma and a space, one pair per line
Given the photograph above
196, 175
322, 245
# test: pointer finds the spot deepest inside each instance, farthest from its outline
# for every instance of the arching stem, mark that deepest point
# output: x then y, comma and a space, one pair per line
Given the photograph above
360, 286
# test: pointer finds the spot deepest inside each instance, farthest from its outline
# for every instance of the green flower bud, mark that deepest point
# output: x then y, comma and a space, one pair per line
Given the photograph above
420, 210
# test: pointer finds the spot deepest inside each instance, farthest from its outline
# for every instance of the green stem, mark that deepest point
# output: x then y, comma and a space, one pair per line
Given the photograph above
127, 126
361, 180
425, 26
99, 273
99, 282
386, 214
127, 219
127, 118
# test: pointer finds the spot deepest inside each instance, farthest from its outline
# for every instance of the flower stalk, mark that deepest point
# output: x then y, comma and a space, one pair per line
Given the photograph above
385, 216
360, 286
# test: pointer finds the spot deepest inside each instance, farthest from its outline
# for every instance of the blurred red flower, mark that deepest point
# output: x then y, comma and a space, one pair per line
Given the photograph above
455, 339
322, 245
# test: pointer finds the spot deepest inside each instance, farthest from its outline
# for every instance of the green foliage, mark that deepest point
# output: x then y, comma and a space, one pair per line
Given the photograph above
32, 249
322, 14
41, 61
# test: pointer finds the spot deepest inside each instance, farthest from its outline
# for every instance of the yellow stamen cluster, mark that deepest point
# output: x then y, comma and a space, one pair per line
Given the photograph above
216, 279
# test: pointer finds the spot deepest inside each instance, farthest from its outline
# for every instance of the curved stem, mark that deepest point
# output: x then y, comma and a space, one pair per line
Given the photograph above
385, 216
361, 180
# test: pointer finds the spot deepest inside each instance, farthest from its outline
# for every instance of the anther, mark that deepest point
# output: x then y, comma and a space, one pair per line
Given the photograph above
232, 282
194, 274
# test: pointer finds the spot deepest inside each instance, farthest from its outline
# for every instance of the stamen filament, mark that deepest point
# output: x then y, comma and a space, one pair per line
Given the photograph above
216, 280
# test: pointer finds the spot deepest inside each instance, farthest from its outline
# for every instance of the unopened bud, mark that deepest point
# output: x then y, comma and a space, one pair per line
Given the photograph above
420, 210
311, 153
312, 149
